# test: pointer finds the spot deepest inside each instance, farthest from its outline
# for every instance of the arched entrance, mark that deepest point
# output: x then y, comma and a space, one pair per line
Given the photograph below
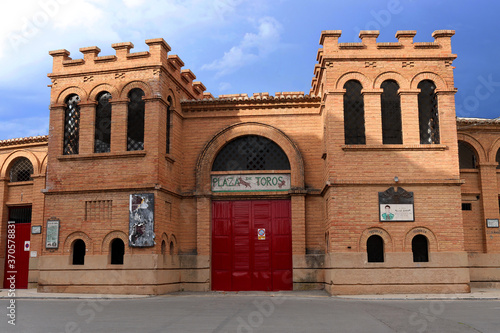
251, 177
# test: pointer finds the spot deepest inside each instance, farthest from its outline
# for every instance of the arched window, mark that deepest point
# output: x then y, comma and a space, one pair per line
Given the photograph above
163, 247
171, 249
428, 115
467, 156
71, 125
420, 248
391, 113
251, 152
169, 119
117, 251
78, 252
354, 114
102, 137
498, 159
375, 249
21, 170
135, 120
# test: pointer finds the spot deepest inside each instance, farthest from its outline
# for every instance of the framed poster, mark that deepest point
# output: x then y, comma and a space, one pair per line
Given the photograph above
141, 220
396, 206
36, 229
52, 237
492, 223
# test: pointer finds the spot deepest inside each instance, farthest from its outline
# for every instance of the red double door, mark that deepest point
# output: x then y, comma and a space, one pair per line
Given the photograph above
251, 245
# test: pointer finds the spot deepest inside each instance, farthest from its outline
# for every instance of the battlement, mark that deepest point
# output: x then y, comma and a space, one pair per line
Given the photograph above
125, 60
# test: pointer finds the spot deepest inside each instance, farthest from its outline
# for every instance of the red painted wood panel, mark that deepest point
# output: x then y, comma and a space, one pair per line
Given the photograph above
19, 267
242, 261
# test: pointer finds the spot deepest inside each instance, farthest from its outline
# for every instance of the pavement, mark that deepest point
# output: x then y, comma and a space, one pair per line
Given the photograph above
475, 294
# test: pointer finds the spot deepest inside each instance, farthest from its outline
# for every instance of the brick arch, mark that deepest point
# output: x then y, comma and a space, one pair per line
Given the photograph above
109, 237
400, 79
365, 82
388, 246
43, 166
16, 154
174, 105
68, 242
148, 93
164, 237
103, 87
438, 80
72, 90
431, 238
478, 147
212, 148
492, 152
174, 241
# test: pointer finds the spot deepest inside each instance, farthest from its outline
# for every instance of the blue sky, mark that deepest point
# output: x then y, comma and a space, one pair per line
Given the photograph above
234, 46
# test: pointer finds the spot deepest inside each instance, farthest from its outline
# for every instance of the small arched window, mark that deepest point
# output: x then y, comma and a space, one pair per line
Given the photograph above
169, 120
163, 247
467, 156
428, 115
21, 170
135, 120
391, 113
375, 249
498, 159
102, 136
117, 251
354, 114
420, 248
79, 252
71, 125
172, 248
251, 152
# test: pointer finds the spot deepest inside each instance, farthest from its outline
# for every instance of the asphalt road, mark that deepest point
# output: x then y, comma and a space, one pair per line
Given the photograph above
241, 313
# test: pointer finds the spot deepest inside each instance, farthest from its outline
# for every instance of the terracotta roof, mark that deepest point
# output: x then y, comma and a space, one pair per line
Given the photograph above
26, 140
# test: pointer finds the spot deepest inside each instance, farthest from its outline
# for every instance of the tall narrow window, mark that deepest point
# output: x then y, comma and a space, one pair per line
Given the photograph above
467, 156
391, 113
117, 251
354, 114
375, 249
71, 125
169, 119
78, 252
21, 170
420, 248
428, 113
102, 137
497, 159
135, 121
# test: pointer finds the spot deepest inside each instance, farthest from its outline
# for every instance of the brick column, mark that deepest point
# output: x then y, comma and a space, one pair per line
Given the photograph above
87, 128
373, 116
119, 125
409, 116
203, 218
489, 196
56, 129
298, 203
152, 122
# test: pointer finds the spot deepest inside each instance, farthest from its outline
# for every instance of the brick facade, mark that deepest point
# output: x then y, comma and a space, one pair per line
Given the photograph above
334, 184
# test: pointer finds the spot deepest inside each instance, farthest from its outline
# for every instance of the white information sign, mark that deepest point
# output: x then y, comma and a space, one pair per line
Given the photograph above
251, 183
396, 212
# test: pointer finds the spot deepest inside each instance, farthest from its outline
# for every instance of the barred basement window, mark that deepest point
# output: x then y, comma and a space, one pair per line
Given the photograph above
117, 251
391, 113
251, 152
375, 249
467, 156
169, 119
467, 206
21, 170
71, 125
420, 248
78, 252
428, 115
354, 114
102, 137
135, 121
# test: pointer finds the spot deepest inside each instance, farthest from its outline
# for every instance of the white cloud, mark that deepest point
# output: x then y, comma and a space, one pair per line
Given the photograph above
252, 47
22, 127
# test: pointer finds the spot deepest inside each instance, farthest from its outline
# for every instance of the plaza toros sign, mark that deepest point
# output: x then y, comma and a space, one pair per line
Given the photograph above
251, 183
